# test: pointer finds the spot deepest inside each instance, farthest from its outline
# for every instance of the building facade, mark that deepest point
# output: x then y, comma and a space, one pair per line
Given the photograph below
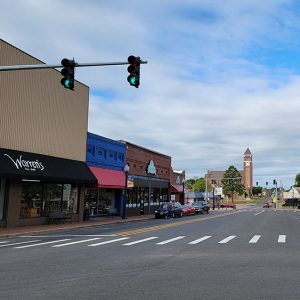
215, 177
42, 143
106, 159
148, 179
177, 186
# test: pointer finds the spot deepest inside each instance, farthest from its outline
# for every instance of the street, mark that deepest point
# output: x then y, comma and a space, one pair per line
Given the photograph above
250, 253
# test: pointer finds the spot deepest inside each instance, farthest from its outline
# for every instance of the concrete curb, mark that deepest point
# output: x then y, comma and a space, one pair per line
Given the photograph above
60, 227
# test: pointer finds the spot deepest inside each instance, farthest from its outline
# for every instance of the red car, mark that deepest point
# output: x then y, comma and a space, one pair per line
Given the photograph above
266, 205
188, 210
228, 205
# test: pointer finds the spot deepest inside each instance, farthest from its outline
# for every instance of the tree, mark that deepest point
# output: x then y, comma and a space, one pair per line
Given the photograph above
232, 182
256, 190
200, 185
297, 180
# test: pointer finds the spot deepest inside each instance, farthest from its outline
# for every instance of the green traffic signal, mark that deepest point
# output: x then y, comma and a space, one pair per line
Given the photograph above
134, 70
68, 73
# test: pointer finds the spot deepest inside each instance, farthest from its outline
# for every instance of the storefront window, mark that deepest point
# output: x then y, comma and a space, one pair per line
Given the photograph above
31, 200
101, 201
39, 199
52, 195
2, 191
70, 198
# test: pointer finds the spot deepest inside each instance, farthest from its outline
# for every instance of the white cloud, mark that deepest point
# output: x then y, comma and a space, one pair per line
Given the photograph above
207, 92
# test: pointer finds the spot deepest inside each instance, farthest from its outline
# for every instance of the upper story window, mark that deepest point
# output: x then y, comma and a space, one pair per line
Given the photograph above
90, 149
120, 157
100, 152
111, 155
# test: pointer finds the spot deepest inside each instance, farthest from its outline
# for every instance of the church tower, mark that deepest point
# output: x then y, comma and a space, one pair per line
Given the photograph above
248, 171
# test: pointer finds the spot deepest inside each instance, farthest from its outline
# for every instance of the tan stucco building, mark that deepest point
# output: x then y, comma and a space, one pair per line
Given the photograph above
43, 132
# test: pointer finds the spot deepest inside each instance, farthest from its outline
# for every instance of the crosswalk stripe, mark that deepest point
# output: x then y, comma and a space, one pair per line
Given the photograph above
77, 242
282, 238
254, 239
141, 241
40, 244
170, 240
3, 242
226, 240
19, 243
200, 240
108, 242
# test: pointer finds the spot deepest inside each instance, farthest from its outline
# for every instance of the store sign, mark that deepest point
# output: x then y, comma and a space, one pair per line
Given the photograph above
28, 165
151, 169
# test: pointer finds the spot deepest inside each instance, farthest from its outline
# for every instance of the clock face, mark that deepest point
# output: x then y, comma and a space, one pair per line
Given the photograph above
247, 163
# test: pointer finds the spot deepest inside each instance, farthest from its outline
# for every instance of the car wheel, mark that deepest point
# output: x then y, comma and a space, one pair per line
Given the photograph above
201, 212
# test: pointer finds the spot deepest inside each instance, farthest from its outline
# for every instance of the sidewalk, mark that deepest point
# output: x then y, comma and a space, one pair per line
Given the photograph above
7, 232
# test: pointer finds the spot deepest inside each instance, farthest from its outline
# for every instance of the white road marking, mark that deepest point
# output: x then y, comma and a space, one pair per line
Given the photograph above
200, 240
281, 238
226, 240
170, 240
141, 241
19, 243
40, 244
254, 239
3, 242
67, 235
77, 242
259, 213
108, 242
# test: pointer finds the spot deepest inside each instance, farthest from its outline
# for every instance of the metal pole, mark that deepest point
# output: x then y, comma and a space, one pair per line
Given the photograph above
276, 204
125, 196
45, 66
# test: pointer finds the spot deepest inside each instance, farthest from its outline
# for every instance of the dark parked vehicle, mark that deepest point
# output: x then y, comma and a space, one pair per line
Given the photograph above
162, 211
201, 207
188, 210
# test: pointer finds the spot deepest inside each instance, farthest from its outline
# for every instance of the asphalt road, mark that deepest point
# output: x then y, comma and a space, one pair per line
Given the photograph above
244, 254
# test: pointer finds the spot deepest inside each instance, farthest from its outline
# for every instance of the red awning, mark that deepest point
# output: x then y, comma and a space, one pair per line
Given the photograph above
110, 179
176, 188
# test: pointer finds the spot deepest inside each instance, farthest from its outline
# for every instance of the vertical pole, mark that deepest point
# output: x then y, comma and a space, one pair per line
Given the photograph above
125, 196
213, 190
276, 203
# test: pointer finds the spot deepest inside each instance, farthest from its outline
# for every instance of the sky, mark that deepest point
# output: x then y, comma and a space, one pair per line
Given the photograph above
221, 76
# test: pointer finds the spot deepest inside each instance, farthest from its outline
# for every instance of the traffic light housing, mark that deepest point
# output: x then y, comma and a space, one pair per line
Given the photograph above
274, 182
68, 72
134, 71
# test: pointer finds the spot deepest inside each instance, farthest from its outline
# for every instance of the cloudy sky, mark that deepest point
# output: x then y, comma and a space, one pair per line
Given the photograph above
221, 75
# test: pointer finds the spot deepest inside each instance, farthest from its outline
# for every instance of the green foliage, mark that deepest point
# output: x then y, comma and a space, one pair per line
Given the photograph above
256, 190
232, 182
297, 180
198, 184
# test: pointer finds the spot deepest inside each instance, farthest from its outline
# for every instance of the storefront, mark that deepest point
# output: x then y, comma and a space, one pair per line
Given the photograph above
148, 184
177, 186
33, 185
105, 158
42, 143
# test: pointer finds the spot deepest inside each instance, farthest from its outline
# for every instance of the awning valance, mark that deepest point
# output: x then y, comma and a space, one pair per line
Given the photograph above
19, 165
108, 178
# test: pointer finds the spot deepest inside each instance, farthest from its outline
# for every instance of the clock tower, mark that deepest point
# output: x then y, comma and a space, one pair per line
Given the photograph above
248, 171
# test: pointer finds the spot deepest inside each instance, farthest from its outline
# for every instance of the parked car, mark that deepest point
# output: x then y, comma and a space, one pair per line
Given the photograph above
162, 211
201, 207
228, 205
188, 210
266, 205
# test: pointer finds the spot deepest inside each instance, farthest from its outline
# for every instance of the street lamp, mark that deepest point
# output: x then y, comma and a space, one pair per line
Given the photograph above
183, 191
126, 170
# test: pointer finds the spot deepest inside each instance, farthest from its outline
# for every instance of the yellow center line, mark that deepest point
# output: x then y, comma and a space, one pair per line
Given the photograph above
164, 226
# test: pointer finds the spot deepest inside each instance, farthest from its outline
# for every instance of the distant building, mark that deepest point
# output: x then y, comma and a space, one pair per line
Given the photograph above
215, 177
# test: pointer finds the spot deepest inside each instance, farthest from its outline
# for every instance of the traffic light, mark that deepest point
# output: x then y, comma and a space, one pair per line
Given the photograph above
274, 181
134, 70
256, 183
68, 73
266, 183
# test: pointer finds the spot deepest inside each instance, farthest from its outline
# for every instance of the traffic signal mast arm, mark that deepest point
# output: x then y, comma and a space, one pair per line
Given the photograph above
45, 66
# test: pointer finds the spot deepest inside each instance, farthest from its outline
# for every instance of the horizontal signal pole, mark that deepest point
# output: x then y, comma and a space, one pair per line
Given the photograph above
45, 66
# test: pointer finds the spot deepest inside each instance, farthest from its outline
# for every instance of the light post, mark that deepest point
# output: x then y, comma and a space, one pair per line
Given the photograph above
126, 170
276, 202
183, 191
